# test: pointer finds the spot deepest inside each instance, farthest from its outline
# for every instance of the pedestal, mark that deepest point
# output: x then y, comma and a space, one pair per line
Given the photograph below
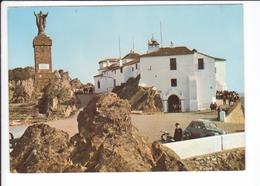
43, 63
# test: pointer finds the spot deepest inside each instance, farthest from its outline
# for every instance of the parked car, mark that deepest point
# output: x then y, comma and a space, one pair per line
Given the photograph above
201, 128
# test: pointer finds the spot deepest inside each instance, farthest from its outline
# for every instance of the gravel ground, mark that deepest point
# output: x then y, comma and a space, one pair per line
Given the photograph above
151, 125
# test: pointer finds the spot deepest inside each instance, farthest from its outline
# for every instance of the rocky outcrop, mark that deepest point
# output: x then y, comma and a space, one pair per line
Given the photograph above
21, 74
76, 84
42, 149
222, 161
21, 91
166, 159
58, 96
140, 98
107, 141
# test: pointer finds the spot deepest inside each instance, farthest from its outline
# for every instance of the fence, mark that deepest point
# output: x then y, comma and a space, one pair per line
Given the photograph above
196, 147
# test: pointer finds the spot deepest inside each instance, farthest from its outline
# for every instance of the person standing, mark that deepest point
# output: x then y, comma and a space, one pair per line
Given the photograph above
177, 133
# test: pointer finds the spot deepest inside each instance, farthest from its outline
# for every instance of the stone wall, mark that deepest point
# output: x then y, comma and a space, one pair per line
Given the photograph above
223, 161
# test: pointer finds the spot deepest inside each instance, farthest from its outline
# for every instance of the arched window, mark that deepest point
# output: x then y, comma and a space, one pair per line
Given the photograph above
98, 84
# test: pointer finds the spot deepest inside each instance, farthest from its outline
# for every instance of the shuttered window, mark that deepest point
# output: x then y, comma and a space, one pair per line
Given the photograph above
173, 64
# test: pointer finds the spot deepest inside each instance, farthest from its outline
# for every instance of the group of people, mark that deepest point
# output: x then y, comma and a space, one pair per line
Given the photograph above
88, 90
230, 96
176, 107
85, 90
213, 106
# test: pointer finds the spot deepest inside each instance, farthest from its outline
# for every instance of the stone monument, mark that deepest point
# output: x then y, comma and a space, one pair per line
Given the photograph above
42, 54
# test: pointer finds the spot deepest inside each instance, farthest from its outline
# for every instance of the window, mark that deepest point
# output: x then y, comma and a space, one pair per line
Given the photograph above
121, 70
98, 84
136, 66
200, 64
114, 83
174, 82
173, 65
133, 69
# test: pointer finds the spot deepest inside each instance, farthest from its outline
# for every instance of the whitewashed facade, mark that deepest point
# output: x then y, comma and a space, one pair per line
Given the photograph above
116, 73
174, 72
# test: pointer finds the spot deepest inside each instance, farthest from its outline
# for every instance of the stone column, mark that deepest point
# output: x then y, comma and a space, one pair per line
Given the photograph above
43, 63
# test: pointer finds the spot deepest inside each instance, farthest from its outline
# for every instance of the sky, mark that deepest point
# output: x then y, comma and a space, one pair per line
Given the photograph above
82, 36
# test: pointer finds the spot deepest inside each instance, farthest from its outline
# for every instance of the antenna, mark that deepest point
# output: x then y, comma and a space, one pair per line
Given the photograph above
161, 34
133, 44
119, 47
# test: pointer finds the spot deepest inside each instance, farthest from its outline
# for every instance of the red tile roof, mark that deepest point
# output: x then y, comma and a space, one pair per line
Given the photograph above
109, 59
169, 52
132, 55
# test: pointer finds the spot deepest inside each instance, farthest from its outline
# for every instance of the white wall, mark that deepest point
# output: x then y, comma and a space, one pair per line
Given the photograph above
197, 147
107, 80
155, 71
206, 80
128, 72
221, 75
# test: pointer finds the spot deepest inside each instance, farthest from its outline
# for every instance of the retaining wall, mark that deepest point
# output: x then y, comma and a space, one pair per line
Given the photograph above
196, 147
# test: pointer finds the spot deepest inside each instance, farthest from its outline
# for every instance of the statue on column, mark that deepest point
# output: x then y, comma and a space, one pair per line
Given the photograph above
41, 22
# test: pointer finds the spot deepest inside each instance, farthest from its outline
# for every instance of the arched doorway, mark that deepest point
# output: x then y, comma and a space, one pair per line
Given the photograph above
174, 104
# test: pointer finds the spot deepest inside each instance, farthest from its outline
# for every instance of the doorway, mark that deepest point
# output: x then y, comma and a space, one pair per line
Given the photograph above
174, 104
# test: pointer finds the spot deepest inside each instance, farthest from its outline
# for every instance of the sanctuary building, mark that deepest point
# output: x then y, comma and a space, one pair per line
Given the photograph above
184, 78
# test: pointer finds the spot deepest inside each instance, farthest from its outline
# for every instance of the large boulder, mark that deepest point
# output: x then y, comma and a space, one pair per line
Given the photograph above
21, 91
166, 159
76, 84
42, 149
55, 94
107, 141
140, 98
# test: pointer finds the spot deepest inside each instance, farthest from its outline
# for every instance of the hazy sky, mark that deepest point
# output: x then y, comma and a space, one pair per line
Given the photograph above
84, 35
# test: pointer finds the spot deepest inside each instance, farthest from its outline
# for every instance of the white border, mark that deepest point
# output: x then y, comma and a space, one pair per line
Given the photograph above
248, 177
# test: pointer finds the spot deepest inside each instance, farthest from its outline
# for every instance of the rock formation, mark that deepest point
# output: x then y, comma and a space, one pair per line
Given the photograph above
58, 96
108, 139
106, 142
166, 159
21, 91
221, 161
42, 149
140, 98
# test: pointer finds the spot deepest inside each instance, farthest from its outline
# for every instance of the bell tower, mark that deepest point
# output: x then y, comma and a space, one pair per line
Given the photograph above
153, 45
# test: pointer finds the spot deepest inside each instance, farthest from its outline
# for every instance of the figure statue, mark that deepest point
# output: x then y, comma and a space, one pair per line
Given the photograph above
41, 21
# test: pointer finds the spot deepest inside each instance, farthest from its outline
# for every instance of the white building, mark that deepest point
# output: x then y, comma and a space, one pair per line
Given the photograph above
112, 72
184, 78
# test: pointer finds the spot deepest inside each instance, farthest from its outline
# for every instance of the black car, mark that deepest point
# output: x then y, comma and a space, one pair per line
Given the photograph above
201, 128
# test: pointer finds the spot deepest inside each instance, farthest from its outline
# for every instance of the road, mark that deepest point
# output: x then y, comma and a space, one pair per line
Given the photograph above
148, 125
69, 125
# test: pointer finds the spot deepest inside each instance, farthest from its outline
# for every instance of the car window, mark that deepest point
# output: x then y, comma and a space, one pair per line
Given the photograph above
192, 125
201, 125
